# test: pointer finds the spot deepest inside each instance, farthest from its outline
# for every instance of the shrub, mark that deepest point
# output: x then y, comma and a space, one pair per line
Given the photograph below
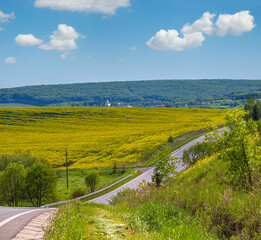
78, 193
171, 139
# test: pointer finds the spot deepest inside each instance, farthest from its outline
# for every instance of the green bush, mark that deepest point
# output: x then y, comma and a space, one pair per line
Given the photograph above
78, 193
171, 139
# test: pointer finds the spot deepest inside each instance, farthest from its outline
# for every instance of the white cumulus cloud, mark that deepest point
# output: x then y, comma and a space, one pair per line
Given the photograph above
204, 25
194, 34
27, 40
10, 60
170, 40
4, 17
97, 6
63, 39
234, 24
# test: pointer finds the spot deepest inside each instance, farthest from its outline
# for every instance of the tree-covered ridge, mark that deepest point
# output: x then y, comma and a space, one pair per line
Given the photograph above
137, 93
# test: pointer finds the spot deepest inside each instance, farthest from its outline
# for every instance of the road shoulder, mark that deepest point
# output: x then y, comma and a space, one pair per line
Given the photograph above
36, 227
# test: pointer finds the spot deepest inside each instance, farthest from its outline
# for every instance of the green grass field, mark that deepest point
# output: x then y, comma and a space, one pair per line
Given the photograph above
76, 181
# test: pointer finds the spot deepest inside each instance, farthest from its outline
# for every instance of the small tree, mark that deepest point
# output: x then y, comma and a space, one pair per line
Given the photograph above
12, 184
165, 166
196, 152
239, 145
40, 184
92, 179
253, 107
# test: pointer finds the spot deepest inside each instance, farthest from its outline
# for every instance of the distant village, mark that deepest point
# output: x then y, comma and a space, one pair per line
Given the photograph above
203, 104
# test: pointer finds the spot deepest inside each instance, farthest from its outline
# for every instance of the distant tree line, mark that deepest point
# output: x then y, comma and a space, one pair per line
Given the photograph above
137, 93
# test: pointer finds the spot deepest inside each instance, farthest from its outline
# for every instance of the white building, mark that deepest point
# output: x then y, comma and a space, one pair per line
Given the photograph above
107, 104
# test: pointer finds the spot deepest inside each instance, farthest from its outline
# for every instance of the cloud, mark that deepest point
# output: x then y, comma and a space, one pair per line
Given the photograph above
204, 25
193, 34
1, 29
27, 40
170, 40
62, 40
10, 60
96, 6
234, 24
4, 17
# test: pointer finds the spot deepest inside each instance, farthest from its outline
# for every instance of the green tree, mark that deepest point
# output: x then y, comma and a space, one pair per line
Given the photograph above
196, 152
165, 166
253, 107
41, 184
25, 158
12, 184
92, 179
239, 146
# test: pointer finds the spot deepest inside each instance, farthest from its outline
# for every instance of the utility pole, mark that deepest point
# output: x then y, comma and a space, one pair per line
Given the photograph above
67, 169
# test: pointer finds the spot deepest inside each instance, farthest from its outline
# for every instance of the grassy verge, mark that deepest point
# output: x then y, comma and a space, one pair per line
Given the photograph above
76, 181
89, 221
152, 221
204, 192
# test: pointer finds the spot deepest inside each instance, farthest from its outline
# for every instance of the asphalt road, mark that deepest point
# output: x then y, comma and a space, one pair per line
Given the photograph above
147, 175
12, 220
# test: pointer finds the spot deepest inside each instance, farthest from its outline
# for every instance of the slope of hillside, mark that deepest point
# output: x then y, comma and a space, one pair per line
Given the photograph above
137, 93
97, 137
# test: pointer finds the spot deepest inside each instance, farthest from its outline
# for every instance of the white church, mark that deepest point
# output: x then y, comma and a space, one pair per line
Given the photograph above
107, 104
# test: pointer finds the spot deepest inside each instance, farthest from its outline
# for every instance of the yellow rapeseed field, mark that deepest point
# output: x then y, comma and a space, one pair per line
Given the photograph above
96, 137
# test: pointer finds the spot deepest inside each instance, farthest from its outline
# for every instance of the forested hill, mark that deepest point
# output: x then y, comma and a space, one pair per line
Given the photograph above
137, 93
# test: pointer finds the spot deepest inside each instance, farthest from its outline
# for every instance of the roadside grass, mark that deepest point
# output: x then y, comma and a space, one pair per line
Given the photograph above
159, 220
155, 220
204, 192
82, 221
76, 181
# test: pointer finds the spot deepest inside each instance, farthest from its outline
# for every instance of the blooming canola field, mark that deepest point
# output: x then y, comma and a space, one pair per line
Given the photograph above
96, 137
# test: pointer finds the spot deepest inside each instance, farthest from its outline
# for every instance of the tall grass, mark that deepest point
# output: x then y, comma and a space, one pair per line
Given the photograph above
159, 220
204, 192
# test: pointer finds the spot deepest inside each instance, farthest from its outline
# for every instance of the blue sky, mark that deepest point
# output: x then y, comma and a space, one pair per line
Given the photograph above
71, 41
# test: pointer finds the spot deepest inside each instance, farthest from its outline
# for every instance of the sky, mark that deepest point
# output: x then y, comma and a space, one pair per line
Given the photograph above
73, 41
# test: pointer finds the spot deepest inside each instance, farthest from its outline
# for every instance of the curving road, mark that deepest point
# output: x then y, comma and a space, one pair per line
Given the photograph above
12, 220
147, 175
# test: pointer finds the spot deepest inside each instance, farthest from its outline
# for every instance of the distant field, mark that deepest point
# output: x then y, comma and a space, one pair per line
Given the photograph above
96, 137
